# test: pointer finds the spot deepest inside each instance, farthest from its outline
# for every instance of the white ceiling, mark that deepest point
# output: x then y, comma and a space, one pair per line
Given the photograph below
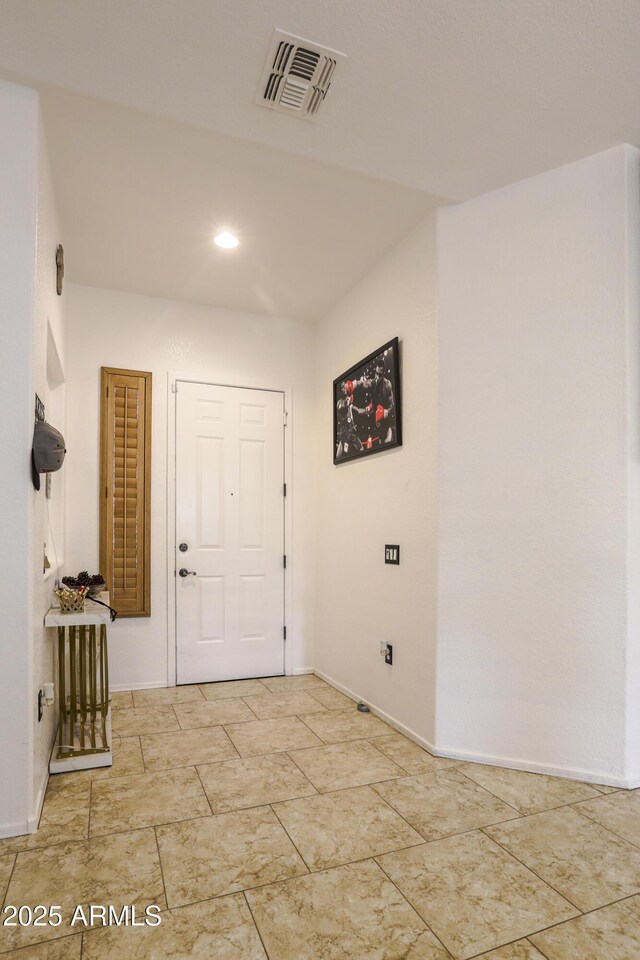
448, 97
141, 198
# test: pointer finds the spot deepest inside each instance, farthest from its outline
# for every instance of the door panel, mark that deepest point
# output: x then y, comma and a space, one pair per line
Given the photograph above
210, 497
230, 513
212, 609
252, 494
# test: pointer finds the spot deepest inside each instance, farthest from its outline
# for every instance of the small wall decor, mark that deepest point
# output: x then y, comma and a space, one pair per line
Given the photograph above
366, 406
47, 452
59, 268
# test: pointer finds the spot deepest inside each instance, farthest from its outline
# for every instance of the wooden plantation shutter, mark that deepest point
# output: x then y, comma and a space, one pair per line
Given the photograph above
125, 489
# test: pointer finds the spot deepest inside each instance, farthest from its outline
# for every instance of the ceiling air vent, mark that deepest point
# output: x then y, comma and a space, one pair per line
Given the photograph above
297, 75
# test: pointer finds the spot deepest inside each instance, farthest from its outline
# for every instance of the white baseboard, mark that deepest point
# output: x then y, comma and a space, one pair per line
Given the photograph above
34, 822
8, 830
400, 727
568, 773
531, 766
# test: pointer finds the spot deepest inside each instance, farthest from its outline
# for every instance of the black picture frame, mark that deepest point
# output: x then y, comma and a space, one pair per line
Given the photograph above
367, 414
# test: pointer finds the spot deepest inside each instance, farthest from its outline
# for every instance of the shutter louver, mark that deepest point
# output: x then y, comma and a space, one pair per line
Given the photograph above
125, 489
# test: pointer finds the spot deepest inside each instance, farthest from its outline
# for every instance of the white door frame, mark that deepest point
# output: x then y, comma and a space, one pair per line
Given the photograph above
289, 572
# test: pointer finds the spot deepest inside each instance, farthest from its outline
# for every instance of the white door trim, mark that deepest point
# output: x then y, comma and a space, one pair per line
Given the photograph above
289, 573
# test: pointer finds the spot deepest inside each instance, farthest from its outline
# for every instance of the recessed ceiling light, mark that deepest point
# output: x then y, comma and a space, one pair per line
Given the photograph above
226, 240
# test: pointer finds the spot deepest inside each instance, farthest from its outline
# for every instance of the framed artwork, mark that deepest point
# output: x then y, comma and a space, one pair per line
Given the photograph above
366, 406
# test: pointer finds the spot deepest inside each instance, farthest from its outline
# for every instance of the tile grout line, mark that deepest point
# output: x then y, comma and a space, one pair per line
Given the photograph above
11, 872
293, 760
446, 836
164, 884
326, 793
319, 701
553, 926
322, 741
402, 817
587, 913
407, 772
234, 893
564, 896
531, 870
254, 714
532, 813
598, 824
233, 746
540, 951
490, 792
146, 826
202, 786
274, 812
310, 782
57, 938
533, 932
129, 829
255, 923
407, 901
144, 762
180, 727
501, 946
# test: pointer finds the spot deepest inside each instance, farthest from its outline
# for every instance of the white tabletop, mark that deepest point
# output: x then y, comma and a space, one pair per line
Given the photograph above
93, 613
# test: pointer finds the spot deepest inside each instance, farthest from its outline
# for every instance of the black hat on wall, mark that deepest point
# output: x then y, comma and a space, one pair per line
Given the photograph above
47, 453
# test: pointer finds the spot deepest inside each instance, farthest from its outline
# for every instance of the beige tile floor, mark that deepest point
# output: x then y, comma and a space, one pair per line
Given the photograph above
269, 820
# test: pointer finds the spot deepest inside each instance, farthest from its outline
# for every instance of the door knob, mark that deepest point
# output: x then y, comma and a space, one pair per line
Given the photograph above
183, 572
183, 547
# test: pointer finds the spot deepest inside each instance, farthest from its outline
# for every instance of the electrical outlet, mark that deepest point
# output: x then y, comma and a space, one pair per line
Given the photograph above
386, 651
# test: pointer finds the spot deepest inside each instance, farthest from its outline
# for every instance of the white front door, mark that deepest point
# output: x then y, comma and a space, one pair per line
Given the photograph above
230, 525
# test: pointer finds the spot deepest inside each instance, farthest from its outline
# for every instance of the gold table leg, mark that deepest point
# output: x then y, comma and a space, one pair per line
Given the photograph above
83, 689
83, 685
62, 695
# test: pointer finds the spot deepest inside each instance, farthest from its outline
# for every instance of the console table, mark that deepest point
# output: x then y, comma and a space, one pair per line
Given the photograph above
84, 719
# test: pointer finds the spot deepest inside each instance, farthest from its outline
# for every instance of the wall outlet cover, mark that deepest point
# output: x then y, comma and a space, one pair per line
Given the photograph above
392, 553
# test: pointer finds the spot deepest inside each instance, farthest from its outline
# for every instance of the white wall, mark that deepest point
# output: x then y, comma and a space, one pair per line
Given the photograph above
386, 498
633, 478
106, 328
19, 179
48, 515
536, 310
28, 238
